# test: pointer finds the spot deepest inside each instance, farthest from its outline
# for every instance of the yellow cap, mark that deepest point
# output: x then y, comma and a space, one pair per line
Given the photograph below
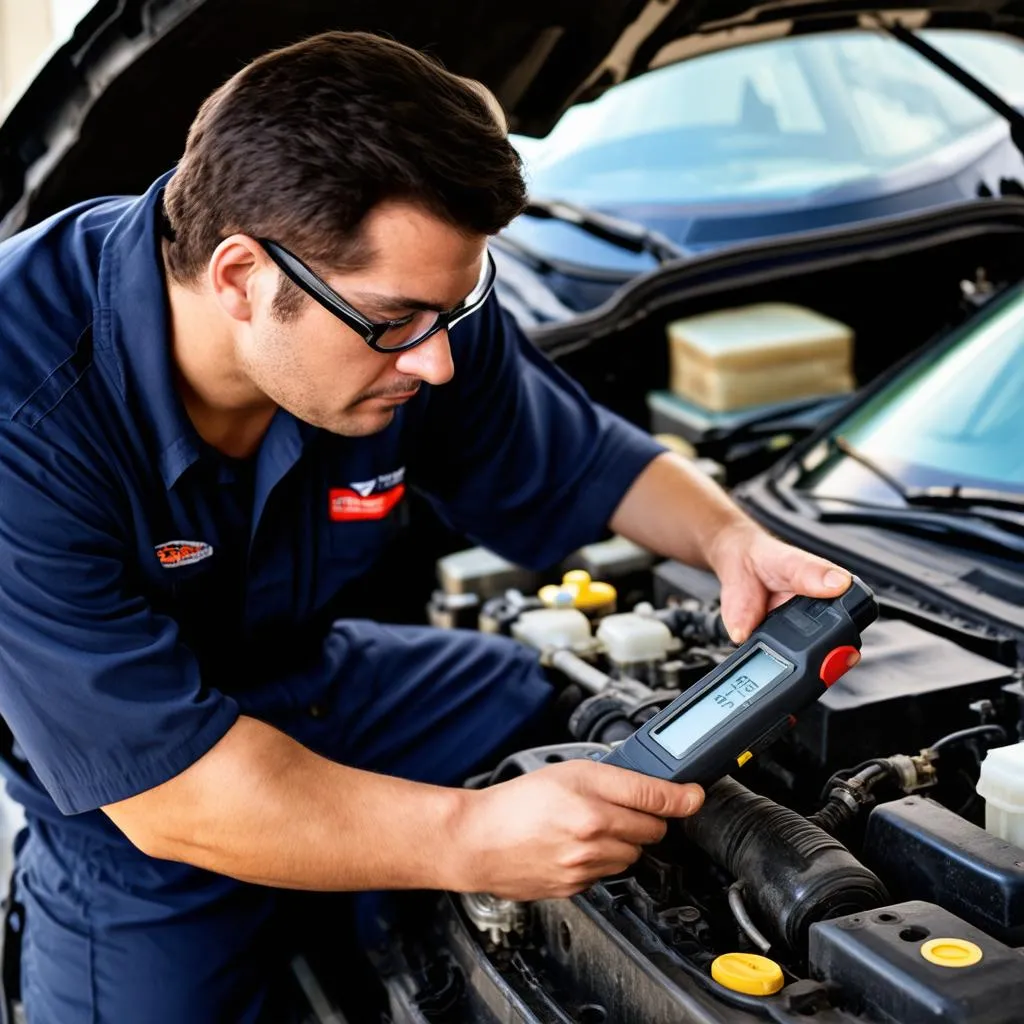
577, 590
748, 973
951, 952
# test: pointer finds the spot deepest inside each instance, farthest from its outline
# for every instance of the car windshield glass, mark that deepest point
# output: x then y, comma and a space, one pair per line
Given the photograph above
951, 419
778, 120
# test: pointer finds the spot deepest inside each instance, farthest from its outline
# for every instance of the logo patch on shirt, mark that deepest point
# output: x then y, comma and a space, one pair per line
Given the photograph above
176, 553
367, 499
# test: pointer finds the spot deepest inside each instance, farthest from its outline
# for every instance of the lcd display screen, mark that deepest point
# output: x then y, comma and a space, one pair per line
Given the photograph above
748, 679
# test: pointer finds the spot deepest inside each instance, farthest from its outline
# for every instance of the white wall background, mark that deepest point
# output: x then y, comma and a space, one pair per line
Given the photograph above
65, 14
29, 29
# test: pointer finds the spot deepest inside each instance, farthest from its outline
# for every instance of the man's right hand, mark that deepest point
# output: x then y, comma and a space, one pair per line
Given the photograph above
556, 831
262, 808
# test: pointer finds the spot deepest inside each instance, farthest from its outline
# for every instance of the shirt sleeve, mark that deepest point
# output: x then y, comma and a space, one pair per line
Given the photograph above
514, 453
101, 697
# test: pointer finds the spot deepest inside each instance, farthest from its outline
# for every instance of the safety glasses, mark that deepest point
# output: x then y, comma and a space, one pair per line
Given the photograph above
381, 335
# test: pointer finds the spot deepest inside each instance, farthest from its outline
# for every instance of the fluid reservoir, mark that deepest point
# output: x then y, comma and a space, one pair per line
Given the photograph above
634, 641
1002, 785
547, 628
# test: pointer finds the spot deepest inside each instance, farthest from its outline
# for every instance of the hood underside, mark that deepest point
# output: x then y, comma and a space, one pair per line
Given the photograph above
110, 109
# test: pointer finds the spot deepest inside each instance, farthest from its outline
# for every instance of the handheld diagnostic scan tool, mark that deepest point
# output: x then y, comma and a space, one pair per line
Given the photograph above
742, 705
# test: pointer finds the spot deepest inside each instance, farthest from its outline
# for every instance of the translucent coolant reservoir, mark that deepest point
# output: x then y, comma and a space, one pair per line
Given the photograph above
1002, 785
545, 628
630, 638
755, 355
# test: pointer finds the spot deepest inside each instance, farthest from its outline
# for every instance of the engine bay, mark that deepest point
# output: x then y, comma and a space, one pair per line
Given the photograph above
852, 871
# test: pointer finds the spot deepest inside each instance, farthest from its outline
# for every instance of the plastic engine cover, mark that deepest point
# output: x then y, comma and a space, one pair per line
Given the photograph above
880, 963
920, 848
910, 688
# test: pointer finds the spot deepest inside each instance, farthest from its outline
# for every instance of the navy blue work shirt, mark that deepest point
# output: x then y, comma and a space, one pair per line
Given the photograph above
146, 581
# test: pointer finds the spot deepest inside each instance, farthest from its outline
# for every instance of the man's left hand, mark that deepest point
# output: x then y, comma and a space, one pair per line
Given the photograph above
759, 572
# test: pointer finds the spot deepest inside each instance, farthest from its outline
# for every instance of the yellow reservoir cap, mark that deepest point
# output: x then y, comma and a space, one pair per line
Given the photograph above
675, 443
748, 973
578, 590
951, 952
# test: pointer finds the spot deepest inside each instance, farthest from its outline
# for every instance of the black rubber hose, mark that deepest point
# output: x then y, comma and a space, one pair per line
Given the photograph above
833, 817
793, 872
974, 732
838, 812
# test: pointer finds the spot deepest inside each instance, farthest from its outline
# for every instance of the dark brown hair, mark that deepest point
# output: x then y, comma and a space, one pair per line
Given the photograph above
303, 142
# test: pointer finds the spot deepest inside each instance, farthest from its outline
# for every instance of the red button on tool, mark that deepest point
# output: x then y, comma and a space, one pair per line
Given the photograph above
837, 662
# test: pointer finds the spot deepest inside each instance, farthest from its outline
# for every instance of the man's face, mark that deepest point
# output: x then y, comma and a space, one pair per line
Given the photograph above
320, 370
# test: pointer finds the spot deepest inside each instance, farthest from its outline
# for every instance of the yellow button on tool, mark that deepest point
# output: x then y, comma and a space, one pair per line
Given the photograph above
744, 758
951, 952
748, 973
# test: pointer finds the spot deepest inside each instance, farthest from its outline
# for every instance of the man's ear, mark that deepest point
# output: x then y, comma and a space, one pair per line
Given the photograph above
235, 274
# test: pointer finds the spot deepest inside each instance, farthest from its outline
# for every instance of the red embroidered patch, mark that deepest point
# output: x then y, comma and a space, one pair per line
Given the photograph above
347, 506
182, 552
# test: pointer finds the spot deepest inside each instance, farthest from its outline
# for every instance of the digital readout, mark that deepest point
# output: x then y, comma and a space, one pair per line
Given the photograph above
748, 679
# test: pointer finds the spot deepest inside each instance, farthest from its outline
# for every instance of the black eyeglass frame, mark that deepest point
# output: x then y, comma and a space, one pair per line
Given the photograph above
371, 331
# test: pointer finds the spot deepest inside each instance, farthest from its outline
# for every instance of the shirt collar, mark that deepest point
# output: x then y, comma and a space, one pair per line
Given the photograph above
135, 327
133, 297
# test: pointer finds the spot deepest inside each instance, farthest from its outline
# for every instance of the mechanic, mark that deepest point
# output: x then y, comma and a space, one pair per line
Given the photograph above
213, 398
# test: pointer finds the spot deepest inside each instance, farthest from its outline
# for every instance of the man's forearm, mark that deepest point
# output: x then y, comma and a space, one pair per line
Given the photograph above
262, 808
677, 511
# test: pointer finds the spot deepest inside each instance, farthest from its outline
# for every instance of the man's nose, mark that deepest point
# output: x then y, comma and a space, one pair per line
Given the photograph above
431, 361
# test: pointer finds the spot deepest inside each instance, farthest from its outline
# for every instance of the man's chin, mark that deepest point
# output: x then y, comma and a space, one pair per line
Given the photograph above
363, 422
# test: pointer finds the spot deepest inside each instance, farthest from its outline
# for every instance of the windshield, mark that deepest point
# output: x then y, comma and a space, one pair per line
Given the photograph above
777, 120
956, 417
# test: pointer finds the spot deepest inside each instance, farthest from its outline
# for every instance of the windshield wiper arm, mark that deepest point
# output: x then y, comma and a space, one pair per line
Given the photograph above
1006, 110
624, 234
923, 521
957, 496
841, 444
976, 501
941, 505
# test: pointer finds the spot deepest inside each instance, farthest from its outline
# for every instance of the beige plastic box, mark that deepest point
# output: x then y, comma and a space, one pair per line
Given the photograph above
754, 355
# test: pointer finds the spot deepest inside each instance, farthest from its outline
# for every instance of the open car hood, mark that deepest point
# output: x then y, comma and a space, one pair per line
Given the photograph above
110, 108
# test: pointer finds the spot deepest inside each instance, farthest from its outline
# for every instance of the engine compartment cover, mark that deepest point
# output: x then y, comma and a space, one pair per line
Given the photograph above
909, 688
918, 846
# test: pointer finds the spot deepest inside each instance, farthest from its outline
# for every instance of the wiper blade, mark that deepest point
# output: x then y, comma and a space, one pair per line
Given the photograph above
976, 502
960, 496
918, 520
624, 234
1006, 110
923, 521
